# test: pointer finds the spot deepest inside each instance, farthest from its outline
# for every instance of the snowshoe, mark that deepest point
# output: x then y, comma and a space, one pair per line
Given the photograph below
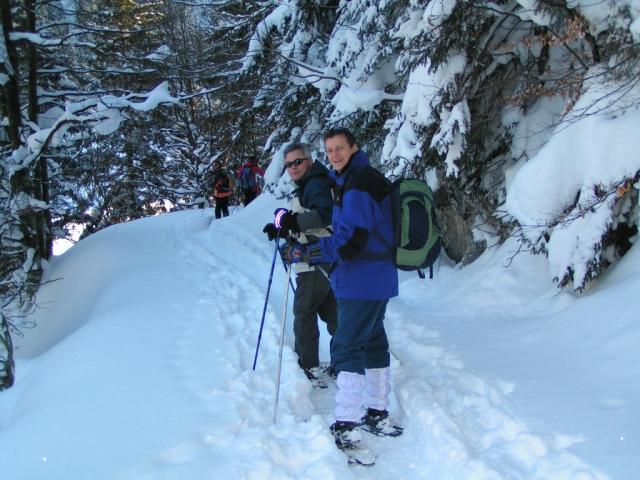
349, 440
313, 374
378, 423
330, 372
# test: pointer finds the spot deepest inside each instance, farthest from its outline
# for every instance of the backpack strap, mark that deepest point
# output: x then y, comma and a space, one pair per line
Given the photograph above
367, 179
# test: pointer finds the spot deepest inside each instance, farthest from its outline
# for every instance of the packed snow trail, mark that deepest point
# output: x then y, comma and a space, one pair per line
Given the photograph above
177, 321
457, 424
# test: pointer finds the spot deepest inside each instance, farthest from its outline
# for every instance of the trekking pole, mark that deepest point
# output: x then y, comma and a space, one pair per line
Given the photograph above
284, 319
284, 264
266, 300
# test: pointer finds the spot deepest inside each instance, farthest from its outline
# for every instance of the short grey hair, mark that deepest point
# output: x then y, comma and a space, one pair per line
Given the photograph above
305, 147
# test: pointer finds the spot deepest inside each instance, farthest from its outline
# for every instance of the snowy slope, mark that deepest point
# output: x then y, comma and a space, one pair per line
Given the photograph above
140, 368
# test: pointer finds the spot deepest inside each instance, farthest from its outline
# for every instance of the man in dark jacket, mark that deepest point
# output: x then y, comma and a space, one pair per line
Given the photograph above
363, 281
307, 220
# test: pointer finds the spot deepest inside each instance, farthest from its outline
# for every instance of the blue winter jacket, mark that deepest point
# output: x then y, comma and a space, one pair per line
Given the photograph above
361, 215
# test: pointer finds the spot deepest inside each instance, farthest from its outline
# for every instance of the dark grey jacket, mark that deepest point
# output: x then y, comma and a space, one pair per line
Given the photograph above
313, 203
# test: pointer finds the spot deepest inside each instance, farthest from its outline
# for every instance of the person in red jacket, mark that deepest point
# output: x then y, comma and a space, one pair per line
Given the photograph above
248, 179
223, 185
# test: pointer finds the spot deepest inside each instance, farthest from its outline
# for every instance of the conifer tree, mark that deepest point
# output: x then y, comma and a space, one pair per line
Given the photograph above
447, 91
286, 56
66, 76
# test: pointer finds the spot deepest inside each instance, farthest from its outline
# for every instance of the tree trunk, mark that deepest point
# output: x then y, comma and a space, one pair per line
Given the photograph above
457, 214
11, 103
10, 89
41, 187
7, 367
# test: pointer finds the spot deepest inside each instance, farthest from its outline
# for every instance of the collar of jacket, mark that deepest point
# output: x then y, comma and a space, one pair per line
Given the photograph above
316, 169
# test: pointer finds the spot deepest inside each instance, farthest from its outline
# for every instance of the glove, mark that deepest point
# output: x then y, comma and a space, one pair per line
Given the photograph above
294, 252
286, 220
314, 254
272, 232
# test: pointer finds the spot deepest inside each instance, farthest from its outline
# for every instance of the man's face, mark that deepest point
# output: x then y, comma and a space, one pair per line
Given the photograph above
339, 151
297, 164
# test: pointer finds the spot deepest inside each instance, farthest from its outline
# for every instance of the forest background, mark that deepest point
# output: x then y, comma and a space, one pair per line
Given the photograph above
114, 110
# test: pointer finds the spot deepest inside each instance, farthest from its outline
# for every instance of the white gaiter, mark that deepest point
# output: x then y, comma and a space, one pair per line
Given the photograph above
378, 387
349, 397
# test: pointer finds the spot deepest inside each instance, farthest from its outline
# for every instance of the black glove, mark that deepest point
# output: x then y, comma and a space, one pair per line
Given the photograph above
286, 220
272, 232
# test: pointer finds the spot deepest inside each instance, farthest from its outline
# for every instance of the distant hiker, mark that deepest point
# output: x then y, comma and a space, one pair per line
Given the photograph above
223, 186
248, 179
363, 281
307, 220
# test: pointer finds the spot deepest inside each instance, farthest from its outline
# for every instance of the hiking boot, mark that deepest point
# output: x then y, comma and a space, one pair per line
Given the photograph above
313, 374
346, 434
379, 423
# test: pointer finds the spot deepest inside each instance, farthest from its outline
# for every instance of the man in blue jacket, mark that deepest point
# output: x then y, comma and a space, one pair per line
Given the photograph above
363, 280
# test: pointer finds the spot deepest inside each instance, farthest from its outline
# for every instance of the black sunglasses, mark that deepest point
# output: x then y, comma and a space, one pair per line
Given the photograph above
297, 162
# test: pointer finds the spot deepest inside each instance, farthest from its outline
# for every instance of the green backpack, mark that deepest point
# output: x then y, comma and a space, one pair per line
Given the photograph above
417, 240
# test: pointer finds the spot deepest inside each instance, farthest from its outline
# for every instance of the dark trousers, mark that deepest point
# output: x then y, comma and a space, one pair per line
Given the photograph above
314, 298
360, 341
249, 196
222, 206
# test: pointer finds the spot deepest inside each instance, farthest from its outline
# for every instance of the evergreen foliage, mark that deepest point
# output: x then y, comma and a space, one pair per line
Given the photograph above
446, 91
68, 71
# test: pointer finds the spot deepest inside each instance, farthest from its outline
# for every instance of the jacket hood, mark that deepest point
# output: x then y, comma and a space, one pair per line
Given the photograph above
358, 160
316, 169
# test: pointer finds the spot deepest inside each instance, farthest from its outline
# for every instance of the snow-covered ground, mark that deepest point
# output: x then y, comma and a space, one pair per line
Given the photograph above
140, 367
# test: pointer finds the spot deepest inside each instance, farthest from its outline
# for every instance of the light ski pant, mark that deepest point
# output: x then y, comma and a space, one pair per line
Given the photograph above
373, 387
